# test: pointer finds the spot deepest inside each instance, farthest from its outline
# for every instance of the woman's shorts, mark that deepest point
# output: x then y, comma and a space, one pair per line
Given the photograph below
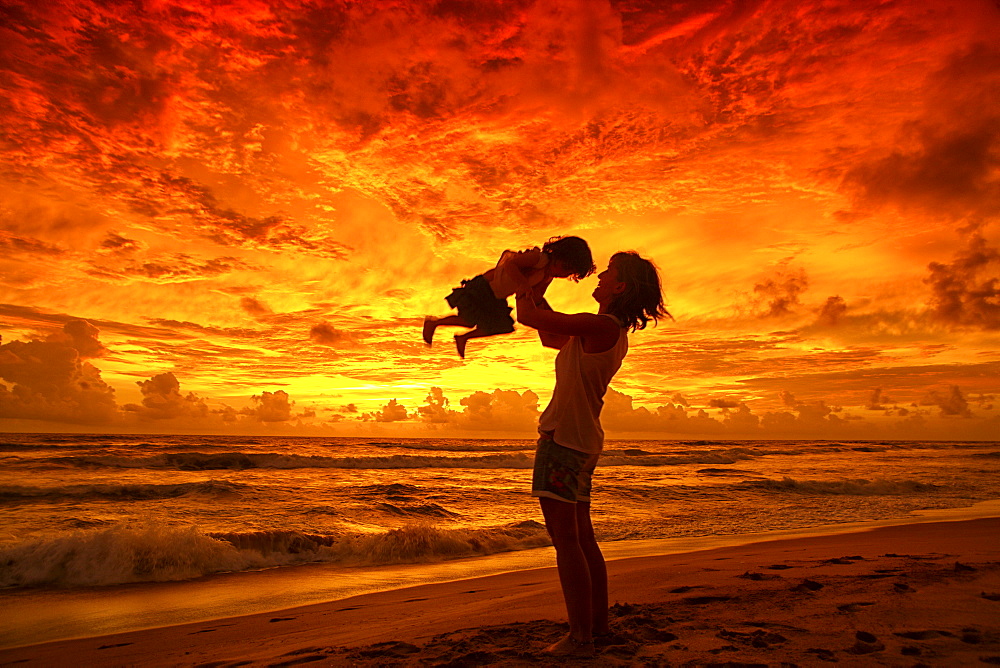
562, 473
478, 306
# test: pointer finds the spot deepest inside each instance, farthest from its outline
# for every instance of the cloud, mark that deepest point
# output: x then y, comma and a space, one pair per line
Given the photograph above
50, 379
952, 402
620, 415
82, 336
833, 310
782, 291
500, 410
270, 407
168, 268
162, 400
390, 412
435, 409
945, 162
326, 334
117, 244
12, 245
724, 403
966, 291
254, 306
875, 403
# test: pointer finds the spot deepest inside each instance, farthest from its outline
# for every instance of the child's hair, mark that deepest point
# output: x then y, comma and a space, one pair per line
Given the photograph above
574, 253
642, 299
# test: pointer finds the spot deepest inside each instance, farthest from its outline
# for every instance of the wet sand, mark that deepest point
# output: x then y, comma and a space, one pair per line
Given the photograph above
917, 594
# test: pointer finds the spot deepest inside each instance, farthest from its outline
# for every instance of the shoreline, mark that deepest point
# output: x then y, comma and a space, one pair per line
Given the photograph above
42, 615
945, 571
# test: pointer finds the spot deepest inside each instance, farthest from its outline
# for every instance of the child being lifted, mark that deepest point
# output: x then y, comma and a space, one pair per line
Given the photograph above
482, 301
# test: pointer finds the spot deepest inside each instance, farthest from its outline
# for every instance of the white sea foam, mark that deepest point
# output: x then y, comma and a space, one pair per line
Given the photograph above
125, 492
151, 551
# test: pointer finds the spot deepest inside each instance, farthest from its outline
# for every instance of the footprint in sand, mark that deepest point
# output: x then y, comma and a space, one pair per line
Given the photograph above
866, 643
703, 600
843, 560
822, 654
686, 588
757, 577
807, 585
923, 635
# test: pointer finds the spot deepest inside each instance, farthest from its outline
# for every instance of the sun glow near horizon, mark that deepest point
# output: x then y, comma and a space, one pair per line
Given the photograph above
232, 218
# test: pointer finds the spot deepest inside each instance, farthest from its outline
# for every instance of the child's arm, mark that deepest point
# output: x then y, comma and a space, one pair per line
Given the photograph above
527, 259
530, 300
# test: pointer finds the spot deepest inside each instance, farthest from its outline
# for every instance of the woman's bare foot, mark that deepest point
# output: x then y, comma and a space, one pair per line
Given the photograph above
460, 341
430, 324
570, 646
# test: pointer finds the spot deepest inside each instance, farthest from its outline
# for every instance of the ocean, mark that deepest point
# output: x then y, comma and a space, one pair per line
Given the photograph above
109, 515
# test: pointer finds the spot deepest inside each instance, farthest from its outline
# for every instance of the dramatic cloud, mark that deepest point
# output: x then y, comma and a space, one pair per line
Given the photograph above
162, 400
50, 380
967, 290
237, 191
952, 402
781, 293
270, 407
390, 412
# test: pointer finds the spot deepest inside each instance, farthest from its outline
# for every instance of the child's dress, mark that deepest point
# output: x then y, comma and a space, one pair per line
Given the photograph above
483, 303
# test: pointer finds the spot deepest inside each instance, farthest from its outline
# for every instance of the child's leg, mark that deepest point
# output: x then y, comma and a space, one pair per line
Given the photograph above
430, 324
462, 339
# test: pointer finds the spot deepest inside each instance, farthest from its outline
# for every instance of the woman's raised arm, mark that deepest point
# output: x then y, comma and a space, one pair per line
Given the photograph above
597, 332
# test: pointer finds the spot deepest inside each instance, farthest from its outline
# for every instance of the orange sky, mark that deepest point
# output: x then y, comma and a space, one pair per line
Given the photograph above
232, 216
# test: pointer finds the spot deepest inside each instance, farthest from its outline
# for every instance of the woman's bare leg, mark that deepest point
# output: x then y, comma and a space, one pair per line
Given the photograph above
597, 568
571, 562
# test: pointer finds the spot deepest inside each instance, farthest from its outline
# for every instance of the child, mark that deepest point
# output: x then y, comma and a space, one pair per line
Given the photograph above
482, 301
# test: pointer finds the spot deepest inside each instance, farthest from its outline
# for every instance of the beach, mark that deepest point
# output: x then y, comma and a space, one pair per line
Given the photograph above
906, 595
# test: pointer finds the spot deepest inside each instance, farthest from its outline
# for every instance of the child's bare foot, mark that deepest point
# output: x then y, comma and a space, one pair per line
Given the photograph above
570, 646
460, 342
430, 324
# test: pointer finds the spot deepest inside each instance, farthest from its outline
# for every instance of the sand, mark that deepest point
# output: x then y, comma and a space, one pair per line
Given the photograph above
919, 594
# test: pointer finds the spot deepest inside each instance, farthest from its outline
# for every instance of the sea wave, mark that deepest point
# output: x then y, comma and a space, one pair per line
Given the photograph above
457, 446
14, 494
202, 461
857, 487
152, 552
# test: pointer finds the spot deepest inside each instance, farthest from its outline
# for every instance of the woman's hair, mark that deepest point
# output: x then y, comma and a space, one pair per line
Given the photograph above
642, 299
574, 253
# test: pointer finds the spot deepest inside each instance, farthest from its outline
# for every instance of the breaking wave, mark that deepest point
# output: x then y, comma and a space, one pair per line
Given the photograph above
153, 552
126, 492
859, 487
201, 461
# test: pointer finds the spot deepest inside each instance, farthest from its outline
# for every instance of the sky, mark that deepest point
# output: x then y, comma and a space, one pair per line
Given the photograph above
232, 217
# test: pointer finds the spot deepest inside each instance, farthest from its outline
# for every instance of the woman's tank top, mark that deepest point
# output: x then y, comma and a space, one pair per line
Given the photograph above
573, 415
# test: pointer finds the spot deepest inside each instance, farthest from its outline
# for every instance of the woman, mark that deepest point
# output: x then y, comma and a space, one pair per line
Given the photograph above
591, 348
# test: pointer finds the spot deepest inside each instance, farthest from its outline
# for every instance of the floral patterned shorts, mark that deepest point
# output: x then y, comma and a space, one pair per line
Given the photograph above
562, 473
